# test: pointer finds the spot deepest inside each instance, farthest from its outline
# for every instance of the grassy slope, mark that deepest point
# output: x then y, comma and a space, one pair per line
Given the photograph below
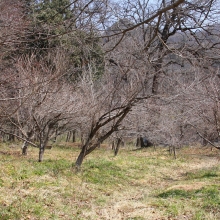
144, 184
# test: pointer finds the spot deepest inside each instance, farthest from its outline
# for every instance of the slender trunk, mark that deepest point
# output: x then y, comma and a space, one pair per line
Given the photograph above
18, 133
82, 139
142, 142
204, 140
44, 137
117, 146
4, 137
138, 142
74, 136
174, 152
41, 152
80, 158
11, 137
113, 145
24, 148
42, 148
68, 136
86, 149
170, 150
155, 85
25, 144
55, 138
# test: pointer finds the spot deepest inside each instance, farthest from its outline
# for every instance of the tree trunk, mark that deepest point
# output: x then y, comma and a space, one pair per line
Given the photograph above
25, 144
4, 137
80, 158
55, 138
74, 136
117, 146
41, 152
91, 144
170, 150
142, 142
24, 148
204, 140
68, 136
82, 139
113, 145
18, 134
44, 137
155, 84
138, 142
11, 137
174, 152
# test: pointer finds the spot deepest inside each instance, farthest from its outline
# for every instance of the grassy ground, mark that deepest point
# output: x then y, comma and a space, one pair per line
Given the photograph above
141, 184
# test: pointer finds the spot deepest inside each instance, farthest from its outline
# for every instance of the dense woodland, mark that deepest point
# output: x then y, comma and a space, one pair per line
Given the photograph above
109, 70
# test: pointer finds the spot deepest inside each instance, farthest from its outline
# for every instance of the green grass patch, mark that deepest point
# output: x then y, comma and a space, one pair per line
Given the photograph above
206, 199
203, 173
210, 194
103, 172
175, 193
132, 185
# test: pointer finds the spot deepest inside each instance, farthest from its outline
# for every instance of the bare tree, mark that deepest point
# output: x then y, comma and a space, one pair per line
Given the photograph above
107, 102
44, 102
148, 66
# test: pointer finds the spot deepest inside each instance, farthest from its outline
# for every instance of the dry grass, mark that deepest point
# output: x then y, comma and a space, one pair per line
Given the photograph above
144, 184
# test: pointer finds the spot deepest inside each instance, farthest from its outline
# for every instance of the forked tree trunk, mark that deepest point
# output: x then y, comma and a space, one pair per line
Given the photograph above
172, 150
91, 145
43, 137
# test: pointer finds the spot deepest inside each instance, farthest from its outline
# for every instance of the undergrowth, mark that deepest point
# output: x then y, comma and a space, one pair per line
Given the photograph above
145, 184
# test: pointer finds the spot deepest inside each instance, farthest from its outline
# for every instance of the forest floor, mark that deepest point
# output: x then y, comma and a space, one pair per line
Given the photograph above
136, 184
